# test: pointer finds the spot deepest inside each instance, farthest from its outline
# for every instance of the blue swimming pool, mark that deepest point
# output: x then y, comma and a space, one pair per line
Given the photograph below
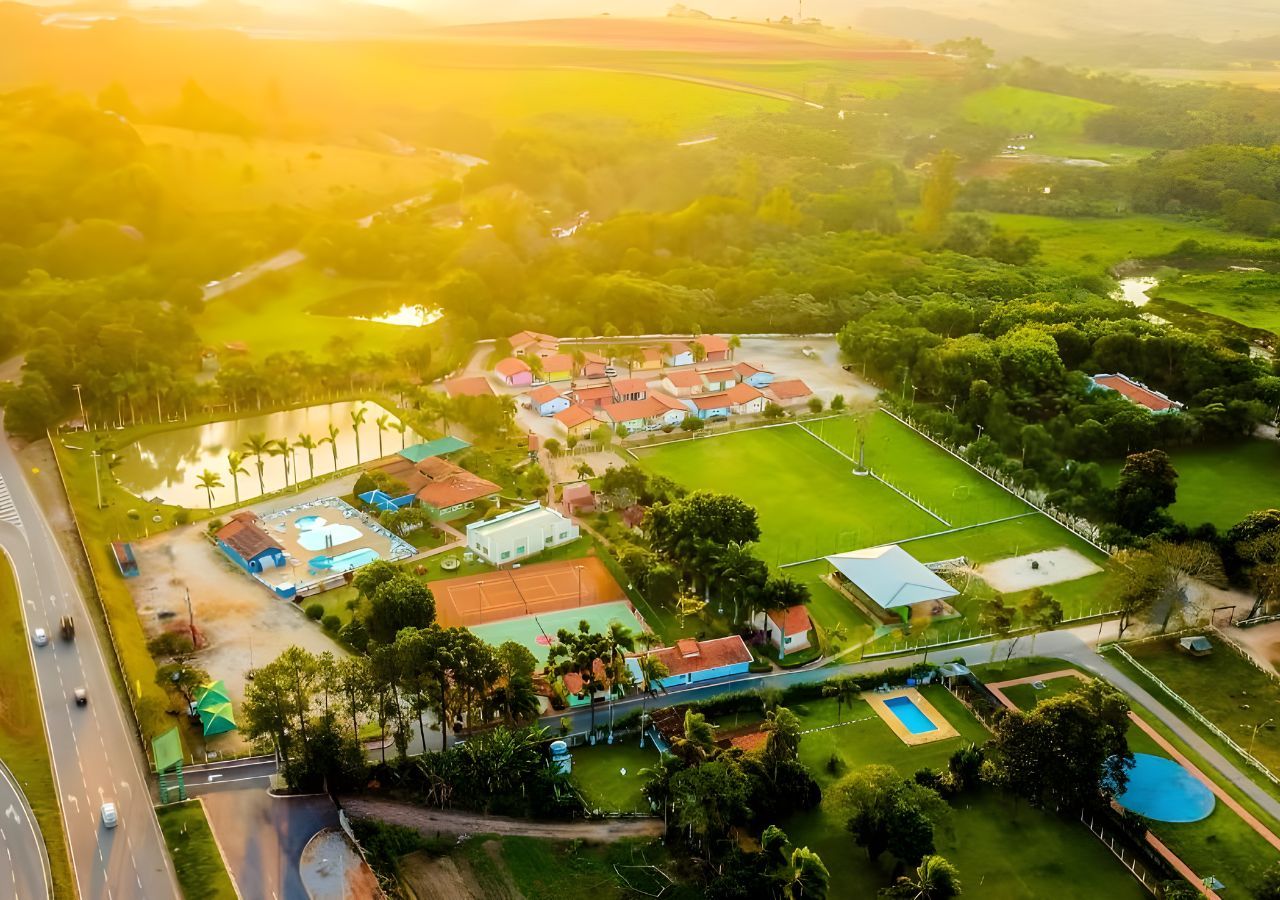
1163, 790
308, 522
910, 715
345, 562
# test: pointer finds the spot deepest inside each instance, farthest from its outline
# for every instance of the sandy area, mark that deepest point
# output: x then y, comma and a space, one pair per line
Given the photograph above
244, 625
1015, 573
1261, 642
565, 468
332, 869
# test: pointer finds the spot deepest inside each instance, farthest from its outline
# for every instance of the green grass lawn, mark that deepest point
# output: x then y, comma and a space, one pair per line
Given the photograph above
597, 771
809, 502
1250, 298
1220, 484
1227, 690
22, 740
201, 872
1024, 111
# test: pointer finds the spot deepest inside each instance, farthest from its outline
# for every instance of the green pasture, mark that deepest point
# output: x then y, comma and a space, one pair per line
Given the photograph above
1024, 111
1250, 298
1221, 484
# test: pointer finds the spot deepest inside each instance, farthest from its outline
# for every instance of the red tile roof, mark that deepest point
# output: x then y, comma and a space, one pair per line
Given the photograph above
792, 620
689, 655
724, 374
544, 394
742, 393
524, 338
746, 369
628, 410
719, 400
245, 535
1137, 393
511, 366
789, 390
593, 392
684, 379
626, 386
667, 400
574, 416
473, 386
651, 354
558, 362
712, 343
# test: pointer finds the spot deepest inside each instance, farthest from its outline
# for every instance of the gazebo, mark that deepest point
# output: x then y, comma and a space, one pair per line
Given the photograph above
214, 709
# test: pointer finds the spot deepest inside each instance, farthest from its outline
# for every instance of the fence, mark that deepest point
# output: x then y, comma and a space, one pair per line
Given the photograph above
1244, 654
1257, 620
1196, 714
1068, 522
1130, 860
968, 634
731, 426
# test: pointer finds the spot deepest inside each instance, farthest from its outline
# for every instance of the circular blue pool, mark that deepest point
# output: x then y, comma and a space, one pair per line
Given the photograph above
1163, 790
307, 523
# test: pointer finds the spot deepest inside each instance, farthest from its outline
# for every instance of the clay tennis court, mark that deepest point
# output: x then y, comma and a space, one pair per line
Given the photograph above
539, 588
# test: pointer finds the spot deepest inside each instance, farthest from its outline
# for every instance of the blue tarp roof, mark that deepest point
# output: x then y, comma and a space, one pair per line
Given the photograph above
439, 447
385, 501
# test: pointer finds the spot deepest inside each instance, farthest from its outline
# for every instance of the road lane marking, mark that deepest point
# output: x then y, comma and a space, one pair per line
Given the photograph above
8, 512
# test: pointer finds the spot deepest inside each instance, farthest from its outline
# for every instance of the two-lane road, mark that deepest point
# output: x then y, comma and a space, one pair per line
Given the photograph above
24, 865
93, 747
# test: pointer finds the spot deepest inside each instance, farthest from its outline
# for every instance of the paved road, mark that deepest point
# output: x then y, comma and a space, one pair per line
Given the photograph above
262, 837
94, 748
24, 866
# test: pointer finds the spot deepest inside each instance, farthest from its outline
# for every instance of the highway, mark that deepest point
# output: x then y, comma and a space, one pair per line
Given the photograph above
94, 748
24, 865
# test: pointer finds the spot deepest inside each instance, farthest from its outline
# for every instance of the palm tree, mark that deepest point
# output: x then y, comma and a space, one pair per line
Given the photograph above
257, 444
935, 879
734, 343
209, 480
619, 641
332, 441
843, 690
657, 781
308, 443
381, 422
805, 876
699, 739
735, 567
357, 419
235, 468
781, 728
280, 449
397, 425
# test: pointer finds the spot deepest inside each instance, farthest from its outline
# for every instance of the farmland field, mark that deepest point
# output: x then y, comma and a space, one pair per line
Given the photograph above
1250, 298
1019, 110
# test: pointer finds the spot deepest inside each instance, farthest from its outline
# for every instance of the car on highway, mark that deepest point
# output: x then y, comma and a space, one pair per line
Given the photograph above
109, 816
212, 284
41, 637
68, 626
81, 696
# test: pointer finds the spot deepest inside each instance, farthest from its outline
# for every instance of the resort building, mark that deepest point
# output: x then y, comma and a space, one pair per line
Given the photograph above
791, 392
594, 396
547, 400
691, 662
444, 489
716, 347
248, 544
650, 414
753, 375
890, 585
679, 354
469, 386
520, 533
557, 367
718, 379
577, 499
787, 629
1135, 392
682, 384
533, 343
630, 389
709, 406
514, 372
745, 400
577, 421
651, 359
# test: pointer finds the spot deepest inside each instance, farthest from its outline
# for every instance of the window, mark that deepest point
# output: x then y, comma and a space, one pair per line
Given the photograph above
520, 551
505, 554
564, 535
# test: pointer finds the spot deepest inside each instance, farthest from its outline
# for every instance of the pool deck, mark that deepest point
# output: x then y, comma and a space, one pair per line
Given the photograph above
942, 731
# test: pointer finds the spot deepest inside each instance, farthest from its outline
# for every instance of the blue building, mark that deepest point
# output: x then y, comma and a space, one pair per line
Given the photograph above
248, 544
547, 401
709, 406
753, 375
692, 662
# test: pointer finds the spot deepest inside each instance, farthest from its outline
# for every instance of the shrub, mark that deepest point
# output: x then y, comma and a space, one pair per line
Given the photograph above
331, 623
355, 635
315, 611
171, 643
182, 517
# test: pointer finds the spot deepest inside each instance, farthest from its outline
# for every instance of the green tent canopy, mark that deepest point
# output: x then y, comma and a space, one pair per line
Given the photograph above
212, 695
217, 719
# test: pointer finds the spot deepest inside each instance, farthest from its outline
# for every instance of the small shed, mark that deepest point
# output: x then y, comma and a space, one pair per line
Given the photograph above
1196, 645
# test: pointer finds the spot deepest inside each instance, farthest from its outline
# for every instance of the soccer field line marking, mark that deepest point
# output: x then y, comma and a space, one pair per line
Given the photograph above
921, 537
905, 496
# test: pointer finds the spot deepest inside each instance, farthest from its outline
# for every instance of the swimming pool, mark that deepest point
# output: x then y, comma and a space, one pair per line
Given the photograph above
345, 562
1163, 790
910, 715
327, 536
306, 523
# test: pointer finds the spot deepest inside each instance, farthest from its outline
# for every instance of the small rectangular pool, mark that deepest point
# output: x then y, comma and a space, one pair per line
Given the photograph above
354, 559
910, 715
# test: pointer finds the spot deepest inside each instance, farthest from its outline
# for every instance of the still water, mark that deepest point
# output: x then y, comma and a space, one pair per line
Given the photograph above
166, 465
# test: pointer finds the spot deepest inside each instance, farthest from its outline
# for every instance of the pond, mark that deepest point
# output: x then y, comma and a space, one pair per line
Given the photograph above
404, 305
166, 465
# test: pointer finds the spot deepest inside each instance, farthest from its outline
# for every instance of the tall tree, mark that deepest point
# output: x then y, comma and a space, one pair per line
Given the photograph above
332, 440
938, 194
257, 445
357, 419
235, 468
209, 480
1148, 484
308, 443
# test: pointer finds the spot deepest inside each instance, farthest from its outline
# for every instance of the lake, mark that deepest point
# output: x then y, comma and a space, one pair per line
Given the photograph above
166, 465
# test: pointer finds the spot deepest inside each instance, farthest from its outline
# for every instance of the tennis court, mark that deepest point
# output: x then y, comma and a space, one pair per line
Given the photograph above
510, 593
538, 632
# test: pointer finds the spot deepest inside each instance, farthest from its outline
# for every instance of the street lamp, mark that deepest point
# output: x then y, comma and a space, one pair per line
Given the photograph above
1254, 736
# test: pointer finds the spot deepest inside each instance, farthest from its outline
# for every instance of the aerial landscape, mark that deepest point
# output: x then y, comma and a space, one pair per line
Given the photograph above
553, 450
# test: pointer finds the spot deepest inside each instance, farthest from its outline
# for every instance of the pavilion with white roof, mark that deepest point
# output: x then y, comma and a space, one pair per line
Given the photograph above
880, 579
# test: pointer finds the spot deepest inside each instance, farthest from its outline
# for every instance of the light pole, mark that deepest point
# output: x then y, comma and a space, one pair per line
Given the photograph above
84, 420
1255, 733
97, 480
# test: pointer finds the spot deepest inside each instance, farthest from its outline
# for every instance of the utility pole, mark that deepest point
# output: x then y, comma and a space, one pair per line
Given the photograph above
84, 420
97, 481
191, 619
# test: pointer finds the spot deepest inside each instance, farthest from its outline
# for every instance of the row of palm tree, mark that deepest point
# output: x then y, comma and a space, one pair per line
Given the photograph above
258, 446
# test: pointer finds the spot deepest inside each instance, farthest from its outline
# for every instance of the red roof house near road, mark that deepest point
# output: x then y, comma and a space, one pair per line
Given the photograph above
471, 386
577, 419
788, 392
717, 347
1136, 392
690, 661
787, 629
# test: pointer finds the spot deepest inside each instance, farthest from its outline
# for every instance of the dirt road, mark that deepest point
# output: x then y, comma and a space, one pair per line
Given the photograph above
440, 821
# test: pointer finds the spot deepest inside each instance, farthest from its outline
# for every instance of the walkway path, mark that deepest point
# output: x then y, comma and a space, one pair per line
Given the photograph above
434, 821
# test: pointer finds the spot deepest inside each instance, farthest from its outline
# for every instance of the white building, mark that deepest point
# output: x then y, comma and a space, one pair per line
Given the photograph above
519, 533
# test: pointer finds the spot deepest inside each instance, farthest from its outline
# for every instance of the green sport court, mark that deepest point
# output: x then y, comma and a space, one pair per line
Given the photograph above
538, 632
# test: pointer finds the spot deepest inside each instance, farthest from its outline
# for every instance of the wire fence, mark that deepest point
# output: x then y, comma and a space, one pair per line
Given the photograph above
1120, 850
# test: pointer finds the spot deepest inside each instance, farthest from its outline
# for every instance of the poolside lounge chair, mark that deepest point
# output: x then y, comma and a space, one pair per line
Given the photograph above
911, 682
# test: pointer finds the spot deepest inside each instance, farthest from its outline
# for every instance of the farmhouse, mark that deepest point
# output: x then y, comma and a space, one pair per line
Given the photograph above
577, 421
1135, 392
787, 629
515, 372
890, 585
246, 542
547, 401
691, 662
520, 533
470, 386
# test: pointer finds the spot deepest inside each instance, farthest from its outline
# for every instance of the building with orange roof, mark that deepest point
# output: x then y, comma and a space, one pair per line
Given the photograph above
716, 347
691, 661
753, 374
1136, 393
515, 372
681, 384
444, 489
787, 629
678, 353
577, 421
630, 389
594, 396
557, 367
720, 379
791, 392
469, 386
651, 359
535, 343
547, 400
744, 400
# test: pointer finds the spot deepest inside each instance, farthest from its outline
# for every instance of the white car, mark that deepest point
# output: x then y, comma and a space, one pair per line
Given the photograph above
610, 372
109, 816
41, 637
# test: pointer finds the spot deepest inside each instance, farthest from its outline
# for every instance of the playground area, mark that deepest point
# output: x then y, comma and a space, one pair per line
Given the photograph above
538, 632
575, 584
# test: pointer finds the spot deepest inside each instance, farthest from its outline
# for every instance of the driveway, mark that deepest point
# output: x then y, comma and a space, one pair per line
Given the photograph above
263, 836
